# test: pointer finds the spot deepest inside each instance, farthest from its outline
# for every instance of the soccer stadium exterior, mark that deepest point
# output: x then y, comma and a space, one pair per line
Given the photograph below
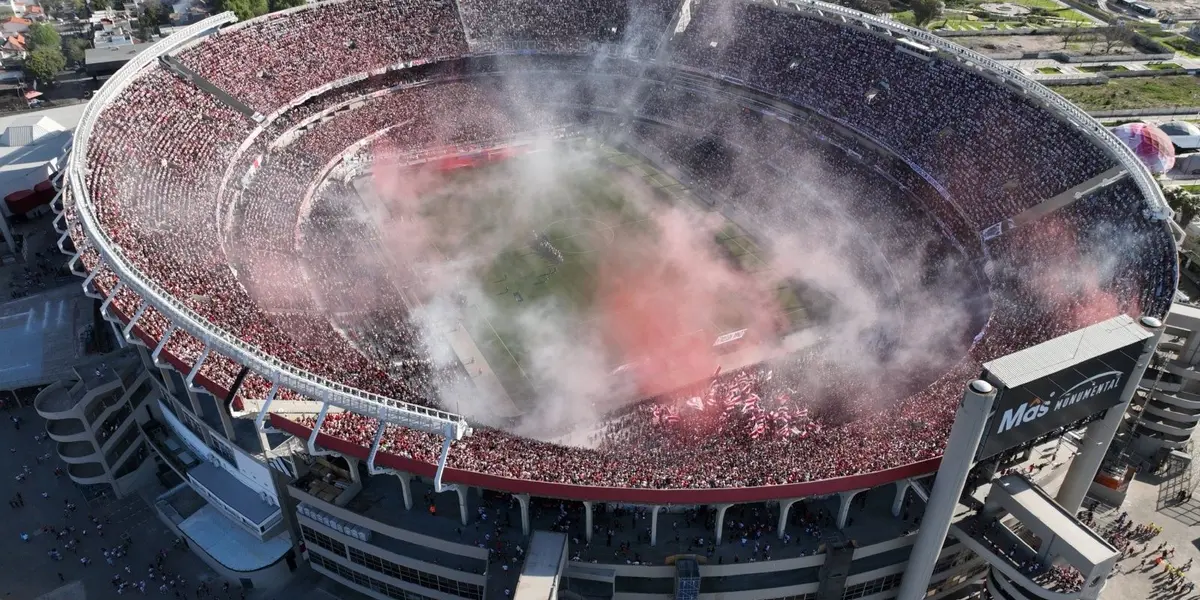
164, 143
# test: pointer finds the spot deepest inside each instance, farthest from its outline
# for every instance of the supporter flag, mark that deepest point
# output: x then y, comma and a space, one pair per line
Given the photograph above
750, 403
783, 399
814, 426
672, 416
710, 400
732, 400
801, 433
716, 373
746, 384
657, 411
802, 413
758, 429
696, 403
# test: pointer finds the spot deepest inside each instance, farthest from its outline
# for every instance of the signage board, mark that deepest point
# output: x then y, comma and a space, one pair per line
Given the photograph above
1072, 394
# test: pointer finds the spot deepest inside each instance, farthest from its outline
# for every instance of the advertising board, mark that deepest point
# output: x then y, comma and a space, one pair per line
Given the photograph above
1072, 394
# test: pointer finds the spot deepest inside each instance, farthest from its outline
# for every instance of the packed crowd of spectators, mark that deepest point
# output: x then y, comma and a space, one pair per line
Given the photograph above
293, 53
982, 140
160, 150
567, 26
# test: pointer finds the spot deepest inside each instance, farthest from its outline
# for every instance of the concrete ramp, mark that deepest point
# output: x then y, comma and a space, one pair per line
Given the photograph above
71, 591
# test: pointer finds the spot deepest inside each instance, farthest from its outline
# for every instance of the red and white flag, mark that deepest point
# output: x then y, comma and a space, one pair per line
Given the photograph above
750, 403
758, 429
672, 416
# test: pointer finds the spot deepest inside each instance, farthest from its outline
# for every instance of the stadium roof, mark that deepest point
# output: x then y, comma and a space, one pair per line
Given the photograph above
1064, 351
30, 141
116, 56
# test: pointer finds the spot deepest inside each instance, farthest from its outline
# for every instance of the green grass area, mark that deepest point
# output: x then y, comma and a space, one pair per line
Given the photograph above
1182, 45
1054, 10
1103, 68
1049, 70
1135, 92
1163, 66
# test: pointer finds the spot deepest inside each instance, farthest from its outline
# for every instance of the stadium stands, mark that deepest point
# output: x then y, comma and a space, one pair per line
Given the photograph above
161, 149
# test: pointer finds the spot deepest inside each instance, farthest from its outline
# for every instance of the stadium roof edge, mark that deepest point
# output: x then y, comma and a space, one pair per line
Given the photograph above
1064, 351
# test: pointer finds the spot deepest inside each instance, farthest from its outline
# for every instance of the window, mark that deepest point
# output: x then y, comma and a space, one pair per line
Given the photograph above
874, 586
411, 575
363, 580
323, 541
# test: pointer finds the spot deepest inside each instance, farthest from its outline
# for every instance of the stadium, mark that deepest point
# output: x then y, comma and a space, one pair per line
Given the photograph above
645, 254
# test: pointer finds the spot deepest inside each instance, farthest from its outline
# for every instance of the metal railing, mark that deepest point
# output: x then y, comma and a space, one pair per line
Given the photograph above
301, 381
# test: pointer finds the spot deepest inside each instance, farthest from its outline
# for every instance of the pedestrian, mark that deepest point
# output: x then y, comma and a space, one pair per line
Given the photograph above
61, 579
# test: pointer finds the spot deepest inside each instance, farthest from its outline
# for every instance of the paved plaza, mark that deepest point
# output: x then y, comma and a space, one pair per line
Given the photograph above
1137, 580
28, 570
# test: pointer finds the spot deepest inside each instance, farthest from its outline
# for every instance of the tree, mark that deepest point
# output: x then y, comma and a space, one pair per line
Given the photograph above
925, 11
76, 48
1115, 37
1185, 204
283, 4
151, 17
43, 35
151, 14
245, 9
45, 63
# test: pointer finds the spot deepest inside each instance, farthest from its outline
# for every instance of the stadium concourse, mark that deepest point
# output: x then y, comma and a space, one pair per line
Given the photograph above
220, 231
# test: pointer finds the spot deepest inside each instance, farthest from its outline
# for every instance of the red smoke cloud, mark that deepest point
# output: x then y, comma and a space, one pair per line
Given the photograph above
662, 298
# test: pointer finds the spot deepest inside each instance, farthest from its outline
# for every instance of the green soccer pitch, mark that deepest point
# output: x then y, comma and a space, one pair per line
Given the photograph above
600, 214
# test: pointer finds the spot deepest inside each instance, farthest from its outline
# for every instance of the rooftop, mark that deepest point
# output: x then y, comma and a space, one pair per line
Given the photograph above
1065, 351
42, 337
233, 492
31, 141
113, 55
543, 563
231, 545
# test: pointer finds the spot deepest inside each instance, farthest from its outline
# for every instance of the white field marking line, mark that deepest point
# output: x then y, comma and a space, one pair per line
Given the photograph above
490, 326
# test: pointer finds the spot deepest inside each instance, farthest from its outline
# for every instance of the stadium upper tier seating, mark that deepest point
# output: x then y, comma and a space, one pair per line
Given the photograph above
166, 158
